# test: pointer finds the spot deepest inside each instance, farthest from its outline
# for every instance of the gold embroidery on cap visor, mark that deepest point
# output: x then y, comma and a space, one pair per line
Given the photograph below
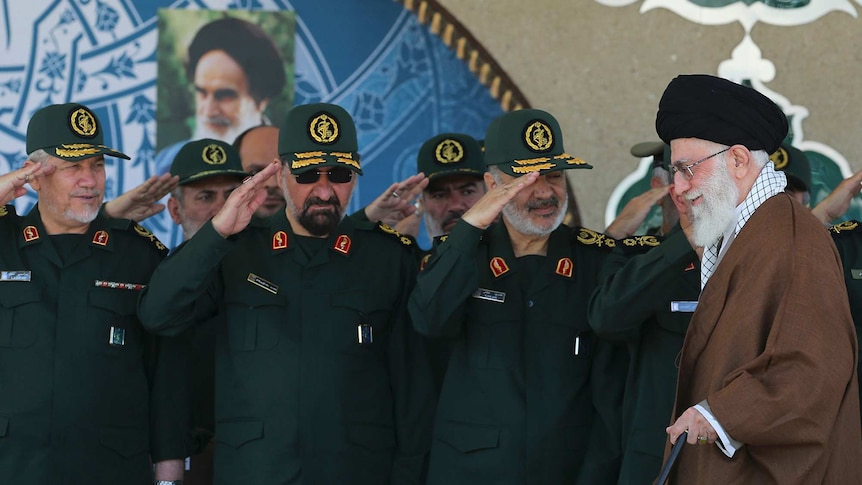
83, 122
544, 163
780, 158
449, 151
307, 159
538, 136
323, 129
78, 150
213, 154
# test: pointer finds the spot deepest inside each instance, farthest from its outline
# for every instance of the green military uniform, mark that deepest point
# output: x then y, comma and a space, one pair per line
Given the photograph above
646, 300
86, 376
85, 395
530, 396
848, 238
319, 376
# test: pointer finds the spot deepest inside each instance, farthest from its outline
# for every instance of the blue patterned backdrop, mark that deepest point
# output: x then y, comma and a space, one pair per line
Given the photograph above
399, 81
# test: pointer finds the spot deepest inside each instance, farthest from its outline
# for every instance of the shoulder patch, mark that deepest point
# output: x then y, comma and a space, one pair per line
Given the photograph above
640, 241
146, 234
845, 227
387, 229
3, 211
588, 237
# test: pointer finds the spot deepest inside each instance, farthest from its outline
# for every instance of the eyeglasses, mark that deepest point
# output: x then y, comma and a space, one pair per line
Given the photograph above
336, 175
685, 168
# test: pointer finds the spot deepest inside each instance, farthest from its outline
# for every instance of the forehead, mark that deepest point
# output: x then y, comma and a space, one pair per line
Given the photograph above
219, 69
60, 163
453, 182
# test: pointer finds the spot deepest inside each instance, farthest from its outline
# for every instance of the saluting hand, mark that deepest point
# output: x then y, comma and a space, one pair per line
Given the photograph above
236, 213
396, 202
12, 183
634, 212
142, 201
485, 211
838, 201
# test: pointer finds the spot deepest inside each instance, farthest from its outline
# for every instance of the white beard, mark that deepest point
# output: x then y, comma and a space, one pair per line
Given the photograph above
519, 218
717, 210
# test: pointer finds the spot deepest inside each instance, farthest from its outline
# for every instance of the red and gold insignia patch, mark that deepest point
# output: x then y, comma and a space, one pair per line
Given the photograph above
100, 238
31, 233
689, 267
279, 240
424, 261
342, 244
565, 267
499, 266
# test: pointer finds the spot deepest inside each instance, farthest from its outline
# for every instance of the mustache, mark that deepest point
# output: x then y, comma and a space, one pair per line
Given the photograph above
540, 204
333, 201
86, 193
217, 120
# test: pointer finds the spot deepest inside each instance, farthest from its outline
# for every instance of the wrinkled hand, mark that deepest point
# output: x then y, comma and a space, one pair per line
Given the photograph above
634, 213
696, 425
236, 213
12, 183
396, 202
142, 201
485, 211
838, 201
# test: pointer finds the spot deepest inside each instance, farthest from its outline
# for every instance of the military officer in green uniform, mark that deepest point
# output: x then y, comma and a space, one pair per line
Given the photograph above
85, 397
319, 376
530, 396
848, 239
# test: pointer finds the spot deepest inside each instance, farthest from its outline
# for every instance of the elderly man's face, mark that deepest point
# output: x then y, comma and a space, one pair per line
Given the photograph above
539, 208
711, 192
199, 201
315, 209
223, 103
447, 198
258, 149
70, 198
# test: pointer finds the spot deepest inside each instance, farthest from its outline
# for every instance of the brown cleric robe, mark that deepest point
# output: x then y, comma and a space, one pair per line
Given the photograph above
773, 350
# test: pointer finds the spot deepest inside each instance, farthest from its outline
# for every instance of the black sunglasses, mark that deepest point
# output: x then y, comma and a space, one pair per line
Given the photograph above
336, 175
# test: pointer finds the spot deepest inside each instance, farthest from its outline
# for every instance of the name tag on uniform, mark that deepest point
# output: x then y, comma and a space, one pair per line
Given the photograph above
14, 276
856, 274
489, 295
683, 306
117, 337
266, 285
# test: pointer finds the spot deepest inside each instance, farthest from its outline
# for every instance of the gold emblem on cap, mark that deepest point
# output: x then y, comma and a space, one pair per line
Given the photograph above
449, 151
538, 136
323, 129
213, 154
780, 158
83, 122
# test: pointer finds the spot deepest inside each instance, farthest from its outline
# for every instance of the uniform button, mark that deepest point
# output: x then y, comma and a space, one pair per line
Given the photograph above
530, 304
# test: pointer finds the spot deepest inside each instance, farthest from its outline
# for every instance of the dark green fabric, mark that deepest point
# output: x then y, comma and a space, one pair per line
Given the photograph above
73, 408
201, 159
68, 131
633, 305
517, 406
450, 154
318, 135
298, 400
848, 239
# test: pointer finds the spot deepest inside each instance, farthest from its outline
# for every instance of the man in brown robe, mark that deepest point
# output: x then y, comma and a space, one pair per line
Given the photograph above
767, 386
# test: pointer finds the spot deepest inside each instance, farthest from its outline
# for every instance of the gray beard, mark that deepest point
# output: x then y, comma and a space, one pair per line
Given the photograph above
520, 219
717, 210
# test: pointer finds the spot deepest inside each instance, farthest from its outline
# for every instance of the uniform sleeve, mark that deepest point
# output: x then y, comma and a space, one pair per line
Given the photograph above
412, 382
625, 296
184, 289
437, 303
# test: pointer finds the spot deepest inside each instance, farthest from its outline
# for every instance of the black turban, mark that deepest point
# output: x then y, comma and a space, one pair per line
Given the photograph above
721, 111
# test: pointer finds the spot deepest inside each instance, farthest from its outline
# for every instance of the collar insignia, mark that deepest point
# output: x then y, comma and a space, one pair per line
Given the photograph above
279, 240
564, 267
424, 261
499, 266
690, 267
100, 238
323, 129
342, 244
31, 233
213, 154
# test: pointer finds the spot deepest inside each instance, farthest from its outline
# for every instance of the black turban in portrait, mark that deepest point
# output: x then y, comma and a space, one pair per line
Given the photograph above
721, 111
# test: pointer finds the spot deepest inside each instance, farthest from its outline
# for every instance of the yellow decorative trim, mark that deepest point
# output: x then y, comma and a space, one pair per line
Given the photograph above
533, 168
297, 164
74, 151
844, 226
348, 161
83, 122
533, 161
641, 241
309, 154
3, 211
342, 155
480, 62
143, 232
590, 238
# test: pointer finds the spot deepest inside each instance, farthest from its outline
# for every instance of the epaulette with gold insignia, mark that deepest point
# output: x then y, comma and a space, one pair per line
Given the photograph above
146, 234
845, 227
387, 229
588, 237
6, 210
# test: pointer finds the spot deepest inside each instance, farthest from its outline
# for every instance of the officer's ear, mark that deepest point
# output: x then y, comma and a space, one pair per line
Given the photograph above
34, 182
489, 181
